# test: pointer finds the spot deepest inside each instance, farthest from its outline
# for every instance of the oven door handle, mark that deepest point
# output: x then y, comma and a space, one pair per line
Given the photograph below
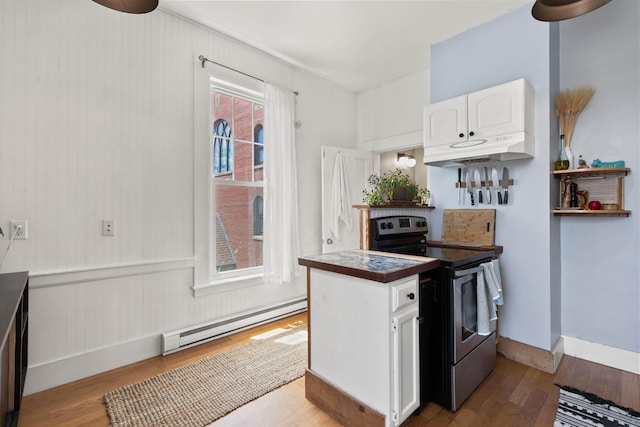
467, 272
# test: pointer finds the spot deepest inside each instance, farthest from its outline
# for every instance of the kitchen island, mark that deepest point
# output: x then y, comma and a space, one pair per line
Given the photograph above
363, 335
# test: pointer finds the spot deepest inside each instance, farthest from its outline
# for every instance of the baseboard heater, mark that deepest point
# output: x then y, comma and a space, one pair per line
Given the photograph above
185, 338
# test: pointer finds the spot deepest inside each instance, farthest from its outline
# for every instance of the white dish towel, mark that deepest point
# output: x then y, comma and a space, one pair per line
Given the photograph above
340, 210
489, 291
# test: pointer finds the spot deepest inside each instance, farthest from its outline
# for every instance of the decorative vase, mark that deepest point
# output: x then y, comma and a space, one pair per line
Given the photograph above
569, 153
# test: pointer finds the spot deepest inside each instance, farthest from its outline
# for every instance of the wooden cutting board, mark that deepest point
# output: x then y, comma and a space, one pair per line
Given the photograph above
469, 226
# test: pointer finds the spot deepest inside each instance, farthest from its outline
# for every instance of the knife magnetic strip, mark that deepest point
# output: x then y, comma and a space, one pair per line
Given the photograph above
464, 184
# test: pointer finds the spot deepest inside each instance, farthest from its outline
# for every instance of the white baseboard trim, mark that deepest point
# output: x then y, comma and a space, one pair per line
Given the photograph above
63, 371
599, 353
557, 353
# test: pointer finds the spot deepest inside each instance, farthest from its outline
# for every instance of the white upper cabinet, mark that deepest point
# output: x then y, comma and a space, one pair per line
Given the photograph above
498, 110
446, 121
494, 123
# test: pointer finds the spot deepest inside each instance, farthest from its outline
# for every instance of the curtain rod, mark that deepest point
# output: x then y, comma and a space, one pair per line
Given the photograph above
203, 60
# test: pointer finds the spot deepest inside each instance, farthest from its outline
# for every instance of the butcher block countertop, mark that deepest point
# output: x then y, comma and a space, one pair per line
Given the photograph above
371, 265
497, 250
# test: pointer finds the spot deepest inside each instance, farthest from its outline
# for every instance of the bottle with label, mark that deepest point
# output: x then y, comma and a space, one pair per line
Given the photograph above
563, 161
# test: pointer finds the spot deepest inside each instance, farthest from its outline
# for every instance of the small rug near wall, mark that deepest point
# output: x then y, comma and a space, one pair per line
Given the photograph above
199, 393
577, 409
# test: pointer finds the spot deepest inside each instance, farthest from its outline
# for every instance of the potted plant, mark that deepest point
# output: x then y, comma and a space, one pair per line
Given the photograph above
393, 187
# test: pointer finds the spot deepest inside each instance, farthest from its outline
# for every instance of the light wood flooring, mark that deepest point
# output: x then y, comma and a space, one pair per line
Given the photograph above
513, 395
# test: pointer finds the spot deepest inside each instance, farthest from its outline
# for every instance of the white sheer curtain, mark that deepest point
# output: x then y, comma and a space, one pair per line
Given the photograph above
281, 244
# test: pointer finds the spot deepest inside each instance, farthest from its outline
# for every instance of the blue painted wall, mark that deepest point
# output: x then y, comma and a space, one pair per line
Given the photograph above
600, 258
508, 48
593, 293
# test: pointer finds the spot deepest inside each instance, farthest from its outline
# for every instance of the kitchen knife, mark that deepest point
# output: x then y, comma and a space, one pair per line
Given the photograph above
460, 191
486, 183
496, 184
478, 184
505, 185
469, 189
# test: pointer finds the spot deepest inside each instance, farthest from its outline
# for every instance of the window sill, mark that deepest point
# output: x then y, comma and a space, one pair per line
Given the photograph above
227, 285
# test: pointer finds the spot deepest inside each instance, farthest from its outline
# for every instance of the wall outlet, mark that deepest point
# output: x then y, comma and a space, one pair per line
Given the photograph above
20, 229
108, 227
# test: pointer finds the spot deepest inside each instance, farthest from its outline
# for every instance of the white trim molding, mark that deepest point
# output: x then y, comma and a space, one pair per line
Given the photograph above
409, 140
91, 274
228, 285
599, 353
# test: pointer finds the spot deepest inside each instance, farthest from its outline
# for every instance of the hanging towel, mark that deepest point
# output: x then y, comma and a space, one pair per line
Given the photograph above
484, 312
340, 209
489, 294
493, 280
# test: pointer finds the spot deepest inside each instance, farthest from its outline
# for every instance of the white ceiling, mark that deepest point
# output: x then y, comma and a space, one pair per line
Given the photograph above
355, 44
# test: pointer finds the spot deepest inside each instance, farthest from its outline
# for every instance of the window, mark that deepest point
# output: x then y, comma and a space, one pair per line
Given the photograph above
236, 181
258, 214
222, 147
258, 148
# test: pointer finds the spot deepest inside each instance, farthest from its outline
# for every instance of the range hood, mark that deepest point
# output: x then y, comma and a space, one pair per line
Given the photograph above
518, 145
492, 124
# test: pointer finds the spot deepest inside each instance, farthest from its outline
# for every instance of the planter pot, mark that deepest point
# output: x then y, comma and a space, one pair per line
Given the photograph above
401, 196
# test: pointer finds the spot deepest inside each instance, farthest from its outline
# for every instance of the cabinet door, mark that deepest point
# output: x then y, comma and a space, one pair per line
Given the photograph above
406, 364
445, 122
497, 110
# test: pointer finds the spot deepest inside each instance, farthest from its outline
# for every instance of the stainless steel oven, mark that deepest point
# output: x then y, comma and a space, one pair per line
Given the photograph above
454, 358
465, 312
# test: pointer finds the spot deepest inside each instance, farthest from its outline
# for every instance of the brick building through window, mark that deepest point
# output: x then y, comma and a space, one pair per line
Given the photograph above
237, 174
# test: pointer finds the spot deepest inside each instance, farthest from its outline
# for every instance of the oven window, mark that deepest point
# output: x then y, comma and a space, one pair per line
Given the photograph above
469, 307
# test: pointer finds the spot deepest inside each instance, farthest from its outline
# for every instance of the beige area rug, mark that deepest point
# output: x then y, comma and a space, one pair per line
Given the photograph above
198, 394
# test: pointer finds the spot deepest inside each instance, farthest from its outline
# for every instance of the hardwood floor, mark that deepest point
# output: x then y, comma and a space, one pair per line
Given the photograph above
513, 395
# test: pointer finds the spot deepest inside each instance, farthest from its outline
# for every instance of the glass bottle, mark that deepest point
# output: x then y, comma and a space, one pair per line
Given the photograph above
573, 189
563, 161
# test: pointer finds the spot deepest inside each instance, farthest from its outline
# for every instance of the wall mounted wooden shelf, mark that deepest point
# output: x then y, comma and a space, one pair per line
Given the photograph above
394, 206
605, 185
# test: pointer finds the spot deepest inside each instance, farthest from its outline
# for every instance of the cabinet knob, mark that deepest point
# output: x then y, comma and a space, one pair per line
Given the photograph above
461, 135
411, 295
472, 133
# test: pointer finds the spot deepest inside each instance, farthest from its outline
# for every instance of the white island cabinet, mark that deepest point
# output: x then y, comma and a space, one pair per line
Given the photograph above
364, 354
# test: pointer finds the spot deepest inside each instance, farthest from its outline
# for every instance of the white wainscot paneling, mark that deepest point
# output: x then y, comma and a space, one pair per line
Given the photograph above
390, 116
92, 326
90, 321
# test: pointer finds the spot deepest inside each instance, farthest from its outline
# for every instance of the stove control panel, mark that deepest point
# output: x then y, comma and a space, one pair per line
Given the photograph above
398, 225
